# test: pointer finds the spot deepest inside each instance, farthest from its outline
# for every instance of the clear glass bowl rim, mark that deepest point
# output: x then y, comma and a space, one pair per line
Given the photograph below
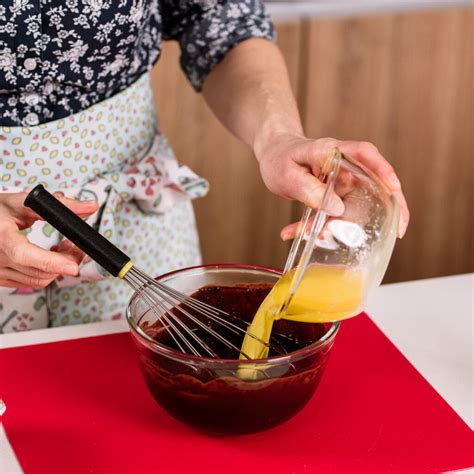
177, 355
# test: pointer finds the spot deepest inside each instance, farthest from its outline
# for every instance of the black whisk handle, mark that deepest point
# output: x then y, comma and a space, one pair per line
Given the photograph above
76, 230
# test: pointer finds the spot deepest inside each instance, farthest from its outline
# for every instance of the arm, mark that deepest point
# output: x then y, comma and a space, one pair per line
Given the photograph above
250, 93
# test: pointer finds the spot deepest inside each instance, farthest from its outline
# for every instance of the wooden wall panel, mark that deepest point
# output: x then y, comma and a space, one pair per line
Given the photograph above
239, 221
404, 82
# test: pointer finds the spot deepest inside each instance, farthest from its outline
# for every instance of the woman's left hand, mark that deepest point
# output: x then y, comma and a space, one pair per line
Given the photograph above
290, 164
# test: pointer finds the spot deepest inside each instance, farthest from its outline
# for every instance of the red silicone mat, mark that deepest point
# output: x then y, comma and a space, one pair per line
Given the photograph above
82, 406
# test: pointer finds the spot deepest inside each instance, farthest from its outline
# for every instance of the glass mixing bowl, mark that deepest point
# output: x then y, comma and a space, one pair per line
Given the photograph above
211, 394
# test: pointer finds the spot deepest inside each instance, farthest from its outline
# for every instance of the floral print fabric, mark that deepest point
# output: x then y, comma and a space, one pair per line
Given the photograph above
58, 57
112, 152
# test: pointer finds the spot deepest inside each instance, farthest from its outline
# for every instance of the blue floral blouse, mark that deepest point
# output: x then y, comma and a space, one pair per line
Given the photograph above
58, 57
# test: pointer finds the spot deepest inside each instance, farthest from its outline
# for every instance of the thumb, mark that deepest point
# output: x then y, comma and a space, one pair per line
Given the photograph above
310, 191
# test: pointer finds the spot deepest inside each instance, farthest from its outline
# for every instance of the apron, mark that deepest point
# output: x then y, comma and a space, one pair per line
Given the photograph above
114, 153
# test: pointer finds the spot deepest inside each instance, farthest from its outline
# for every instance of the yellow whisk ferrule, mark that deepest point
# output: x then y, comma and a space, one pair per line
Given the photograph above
125, 269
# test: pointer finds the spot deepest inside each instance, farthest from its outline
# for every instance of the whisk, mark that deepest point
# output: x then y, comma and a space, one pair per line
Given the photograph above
163, 300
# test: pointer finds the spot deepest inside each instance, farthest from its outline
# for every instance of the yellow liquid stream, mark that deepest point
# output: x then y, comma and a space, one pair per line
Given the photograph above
326, 293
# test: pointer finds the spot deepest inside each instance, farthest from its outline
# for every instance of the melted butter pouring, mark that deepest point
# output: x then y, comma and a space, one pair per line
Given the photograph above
326, 293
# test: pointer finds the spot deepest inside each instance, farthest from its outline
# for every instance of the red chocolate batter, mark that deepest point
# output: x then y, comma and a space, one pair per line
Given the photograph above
210, 396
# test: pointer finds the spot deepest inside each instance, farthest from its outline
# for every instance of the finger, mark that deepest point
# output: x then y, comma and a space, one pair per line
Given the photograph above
309, 190
404, 213
33, 272
21, 252
81, 208
10, 284
290, 231
25, 281
368, 155
24, 217
17, 284
345, 183
66, 247
316, 154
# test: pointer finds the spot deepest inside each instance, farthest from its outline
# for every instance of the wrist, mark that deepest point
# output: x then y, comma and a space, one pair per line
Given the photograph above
272, 132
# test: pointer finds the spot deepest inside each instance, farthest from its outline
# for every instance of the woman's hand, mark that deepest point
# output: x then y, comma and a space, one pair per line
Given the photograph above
250, 93
23, 264
290, 163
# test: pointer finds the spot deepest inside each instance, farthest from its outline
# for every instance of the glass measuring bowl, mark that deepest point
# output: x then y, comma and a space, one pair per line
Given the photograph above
335, 262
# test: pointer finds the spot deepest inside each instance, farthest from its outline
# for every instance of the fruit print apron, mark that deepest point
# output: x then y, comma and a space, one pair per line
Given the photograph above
115, 153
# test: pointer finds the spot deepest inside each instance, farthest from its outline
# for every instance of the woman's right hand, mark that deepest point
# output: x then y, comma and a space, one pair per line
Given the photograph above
23, 264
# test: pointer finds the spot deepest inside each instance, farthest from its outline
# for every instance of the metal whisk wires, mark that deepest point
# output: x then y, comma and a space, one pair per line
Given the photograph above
162, 300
